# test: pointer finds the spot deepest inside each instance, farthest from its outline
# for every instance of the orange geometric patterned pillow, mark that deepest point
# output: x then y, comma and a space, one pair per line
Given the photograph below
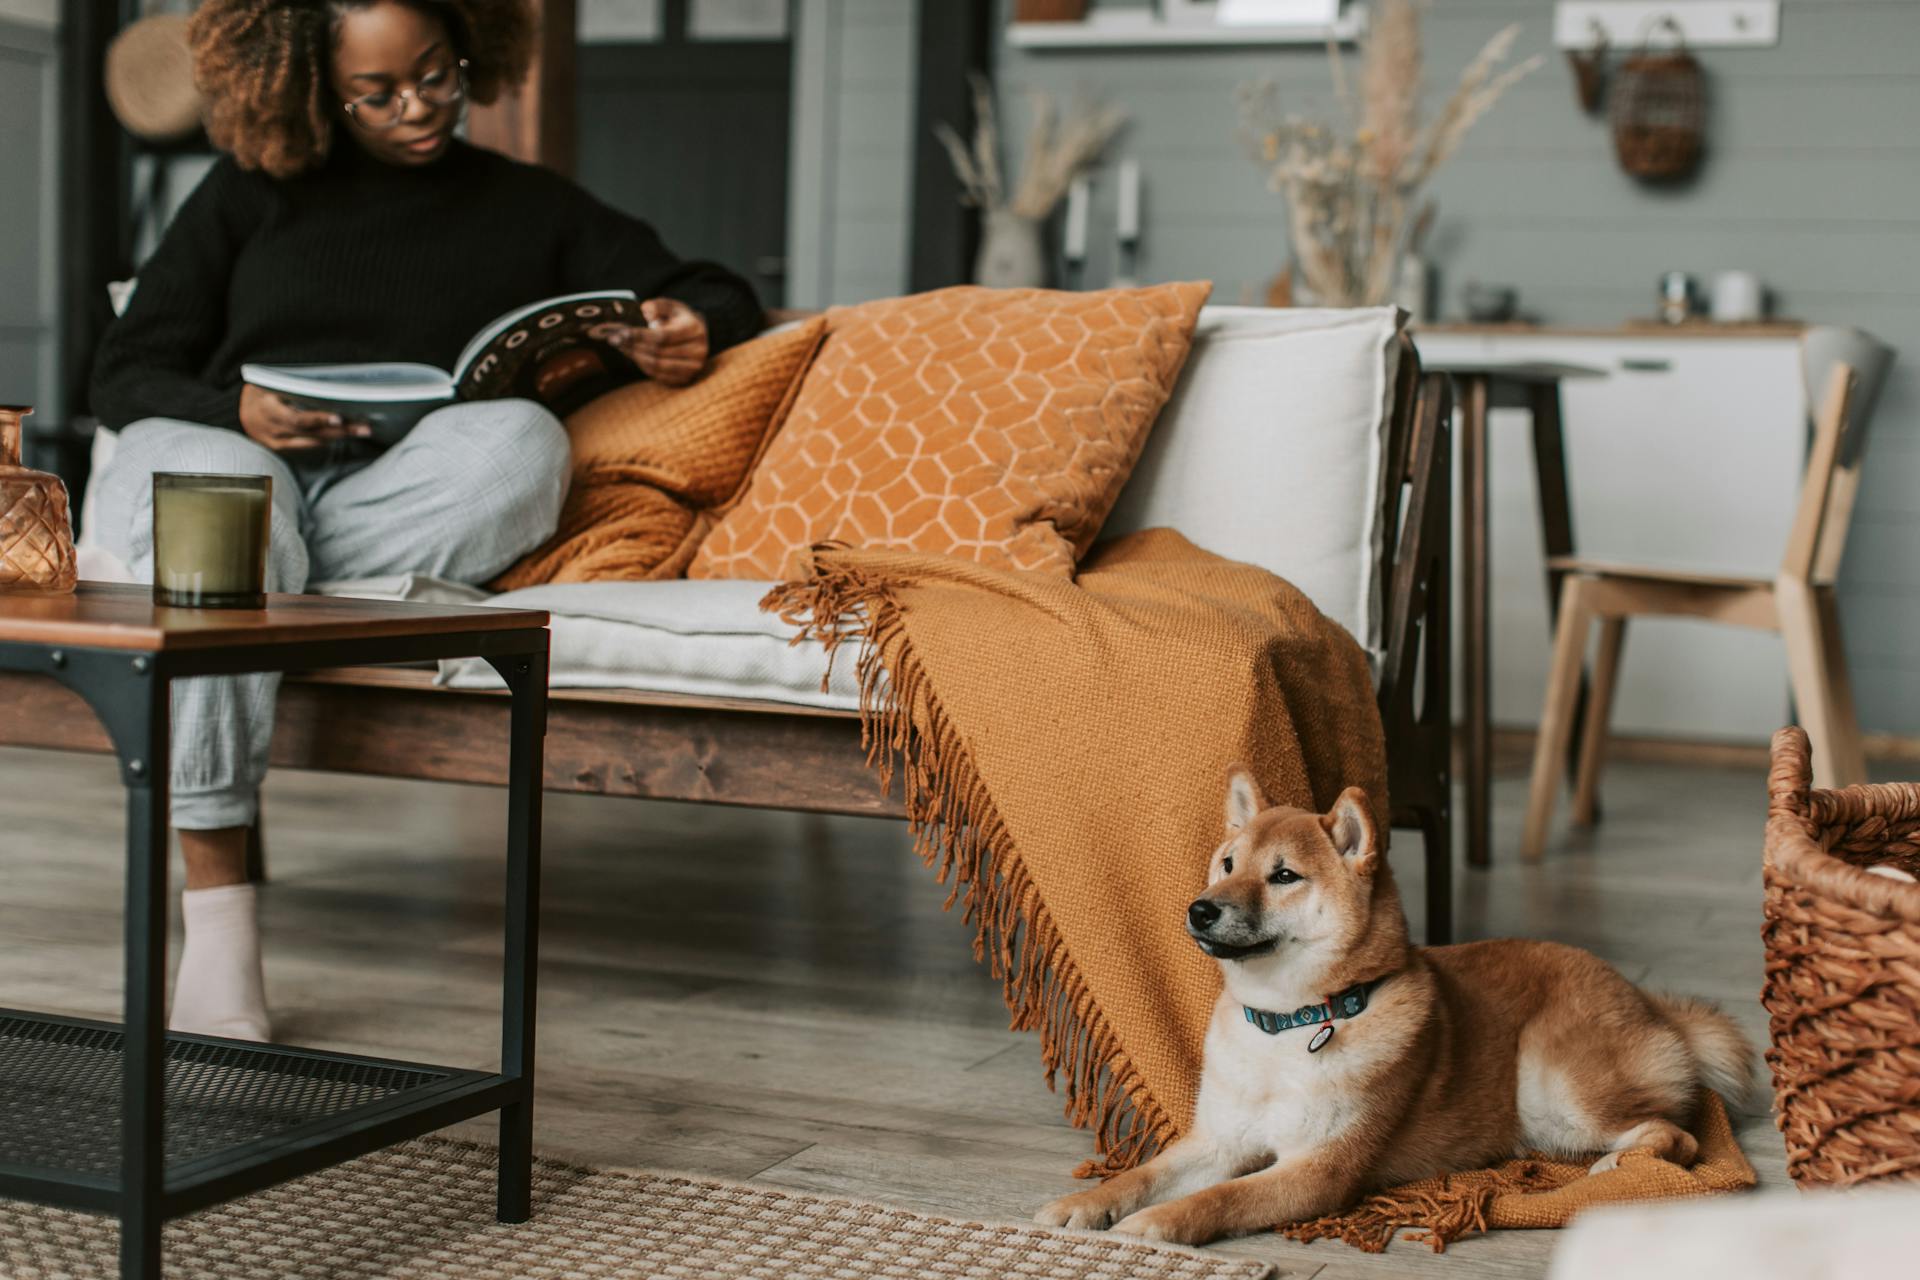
997, 425
650, 460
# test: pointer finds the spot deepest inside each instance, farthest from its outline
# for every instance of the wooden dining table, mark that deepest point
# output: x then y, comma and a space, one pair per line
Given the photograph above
1482, 384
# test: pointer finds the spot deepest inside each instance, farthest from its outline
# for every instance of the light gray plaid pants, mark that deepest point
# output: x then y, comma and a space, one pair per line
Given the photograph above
470, 490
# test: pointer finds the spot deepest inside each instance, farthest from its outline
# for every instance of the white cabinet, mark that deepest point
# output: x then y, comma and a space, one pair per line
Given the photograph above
1687, 454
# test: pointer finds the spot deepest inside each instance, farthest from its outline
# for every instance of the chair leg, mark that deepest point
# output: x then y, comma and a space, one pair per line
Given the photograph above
1556, 715
1593, 737
1810, 667
1849, 752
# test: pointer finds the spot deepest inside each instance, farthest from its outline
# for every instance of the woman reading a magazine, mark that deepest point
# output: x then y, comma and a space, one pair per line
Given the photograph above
348, 224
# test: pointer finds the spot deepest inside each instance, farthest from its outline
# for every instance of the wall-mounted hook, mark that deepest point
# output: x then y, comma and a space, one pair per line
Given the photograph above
1661, 22
1709, 23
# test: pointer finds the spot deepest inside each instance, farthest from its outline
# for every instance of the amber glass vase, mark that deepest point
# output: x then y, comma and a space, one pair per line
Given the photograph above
36, 535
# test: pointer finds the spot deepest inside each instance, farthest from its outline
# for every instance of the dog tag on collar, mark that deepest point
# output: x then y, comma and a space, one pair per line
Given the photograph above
1320, 1039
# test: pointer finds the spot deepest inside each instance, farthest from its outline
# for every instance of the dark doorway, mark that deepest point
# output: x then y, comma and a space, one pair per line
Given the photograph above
956, 44
692, 136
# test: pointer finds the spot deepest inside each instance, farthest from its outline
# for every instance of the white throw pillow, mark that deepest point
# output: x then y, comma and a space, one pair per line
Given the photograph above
1271, 451
705, 637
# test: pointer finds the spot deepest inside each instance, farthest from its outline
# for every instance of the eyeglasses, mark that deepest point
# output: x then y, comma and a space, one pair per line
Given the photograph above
385, 109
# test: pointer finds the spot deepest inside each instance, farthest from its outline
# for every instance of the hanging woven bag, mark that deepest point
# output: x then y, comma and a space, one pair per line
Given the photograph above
1659, 110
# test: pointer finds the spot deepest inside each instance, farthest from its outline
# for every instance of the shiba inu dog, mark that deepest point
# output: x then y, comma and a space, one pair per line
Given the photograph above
1341, 1059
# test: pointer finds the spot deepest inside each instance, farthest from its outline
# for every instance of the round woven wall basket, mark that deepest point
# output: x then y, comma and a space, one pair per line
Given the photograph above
1659, 113
1843, 973
149, 79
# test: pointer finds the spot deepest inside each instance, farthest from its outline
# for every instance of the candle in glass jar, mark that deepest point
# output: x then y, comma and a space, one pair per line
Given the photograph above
210, 540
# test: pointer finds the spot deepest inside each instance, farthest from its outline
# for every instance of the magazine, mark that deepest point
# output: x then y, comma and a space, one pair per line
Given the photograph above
543, 351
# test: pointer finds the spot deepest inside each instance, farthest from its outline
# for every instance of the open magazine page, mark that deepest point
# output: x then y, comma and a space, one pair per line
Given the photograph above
543, 351
546, 352
390, 397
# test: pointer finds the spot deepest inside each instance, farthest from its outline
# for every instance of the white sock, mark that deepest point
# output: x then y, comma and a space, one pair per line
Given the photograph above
219, 990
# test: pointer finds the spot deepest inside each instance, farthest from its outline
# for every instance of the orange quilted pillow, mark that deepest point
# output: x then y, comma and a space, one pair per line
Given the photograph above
993, 424
613, 533
697, 442
649, 460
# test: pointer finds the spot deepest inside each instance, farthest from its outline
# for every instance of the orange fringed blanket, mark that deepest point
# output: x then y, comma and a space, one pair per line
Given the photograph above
1063, 746
1535, 1192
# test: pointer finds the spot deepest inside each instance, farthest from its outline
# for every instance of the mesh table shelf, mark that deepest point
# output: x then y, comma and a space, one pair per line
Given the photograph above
130, 1120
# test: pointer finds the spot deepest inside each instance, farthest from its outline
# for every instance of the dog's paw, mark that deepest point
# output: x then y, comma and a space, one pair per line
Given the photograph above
1089, 1210
1606, 1163
1158, 1224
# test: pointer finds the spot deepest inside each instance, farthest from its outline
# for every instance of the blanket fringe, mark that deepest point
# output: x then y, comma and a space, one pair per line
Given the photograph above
1441, 1210
958, 833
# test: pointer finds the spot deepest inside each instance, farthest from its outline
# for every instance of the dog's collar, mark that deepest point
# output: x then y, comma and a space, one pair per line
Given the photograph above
1345, 1004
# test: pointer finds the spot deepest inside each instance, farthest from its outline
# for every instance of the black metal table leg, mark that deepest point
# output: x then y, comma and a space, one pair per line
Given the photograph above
130, 695
526, 677
143, 1153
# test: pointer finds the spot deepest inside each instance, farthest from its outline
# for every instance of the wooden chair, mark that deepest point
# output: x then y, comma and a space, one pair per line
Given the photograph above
1799, 603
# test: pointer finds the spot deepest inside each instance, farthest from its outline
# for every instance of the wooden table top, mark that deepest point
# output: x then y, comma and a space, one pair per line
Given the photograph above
1509, 368
103, 615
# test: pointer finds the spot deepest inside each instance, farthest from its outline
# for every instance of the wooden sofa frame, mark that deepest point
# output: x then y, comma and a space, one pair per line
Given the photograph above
394, 722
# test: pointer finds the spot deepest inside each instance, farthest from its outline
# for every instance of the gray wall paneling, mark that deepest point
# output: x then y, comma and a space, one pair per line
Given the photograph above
852, 155
1812, 181
29, 220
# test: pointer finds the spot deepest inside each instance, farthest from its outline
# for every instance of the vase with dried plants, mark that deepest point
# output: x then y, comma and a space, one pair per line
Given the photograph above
1351, 187
1060, 147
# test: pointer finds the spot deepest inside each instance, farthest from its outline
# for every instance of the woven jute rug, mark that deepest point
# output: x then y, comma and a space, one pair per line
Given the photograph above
425, 1209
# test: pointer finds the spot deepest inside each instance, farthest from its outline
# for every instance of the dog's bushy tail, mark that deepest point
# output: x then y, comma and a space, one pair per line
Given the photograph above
1726, 1058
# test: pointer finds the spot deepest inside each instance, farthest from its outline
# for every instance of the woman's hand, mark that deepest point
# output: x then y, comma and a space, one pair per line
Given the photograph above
282, 426
671, 349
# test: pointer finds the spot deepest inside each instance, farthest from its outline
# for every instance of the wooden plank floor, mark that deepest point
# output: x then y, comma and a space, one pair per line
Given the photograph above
780, 998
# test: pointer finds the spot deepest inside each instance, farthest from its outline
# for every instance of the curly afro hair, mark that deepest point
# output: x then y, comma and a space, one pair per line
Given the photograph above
262, 66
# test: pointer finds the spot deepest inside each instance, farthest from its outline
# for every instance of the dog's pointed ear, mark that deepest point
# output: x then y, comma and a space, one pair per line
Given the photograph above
1350, 827
1243, 799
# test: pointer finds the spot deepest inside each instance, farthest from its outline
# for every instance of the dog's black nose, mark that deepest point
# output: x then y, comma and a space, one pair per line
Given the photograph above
1202, 914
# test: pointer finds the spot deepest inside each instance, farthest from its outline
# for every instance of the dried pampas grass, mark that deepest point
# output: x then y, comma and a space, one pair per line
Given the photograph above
1350, 190
1059, 148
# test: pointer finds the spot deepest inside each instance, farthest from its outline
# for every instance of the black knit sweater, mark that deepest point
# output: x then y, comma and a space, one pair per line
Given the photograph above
362, 260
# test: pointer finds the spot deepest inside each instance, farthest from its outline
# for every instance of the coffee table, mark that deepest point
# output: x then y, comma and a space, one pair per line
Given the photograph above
132, 1120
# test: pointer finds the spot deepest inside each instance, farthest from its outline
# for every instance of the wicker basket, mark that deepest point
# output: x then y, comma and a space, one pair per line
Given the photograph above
1843, 973
1659, 113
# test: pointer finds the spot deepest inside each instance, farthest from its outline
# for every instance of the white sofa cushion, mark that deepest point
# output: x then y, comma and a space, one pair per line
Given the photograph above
705, 637
1271, 451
